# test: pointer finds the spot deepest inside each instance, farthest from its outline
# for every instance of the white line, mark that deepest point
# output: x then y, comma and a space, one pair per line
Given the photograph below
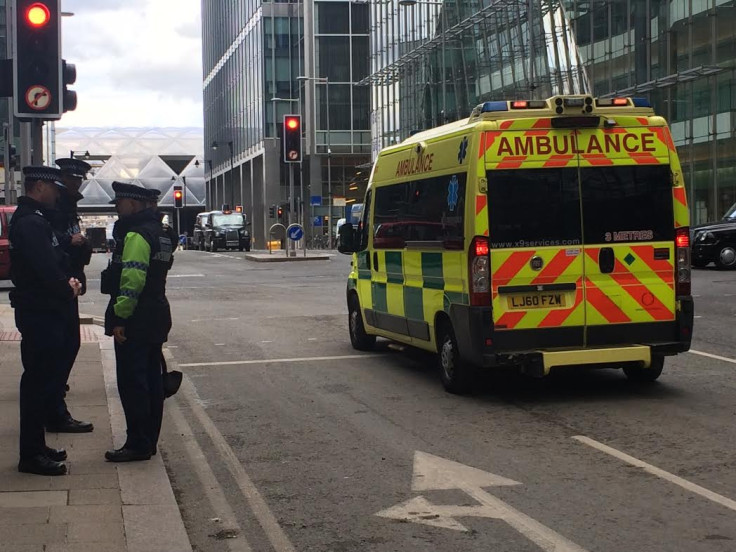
266, 341
270, 360
276, 535
208, 481
186, 275
219, 344
672, 478
701, 353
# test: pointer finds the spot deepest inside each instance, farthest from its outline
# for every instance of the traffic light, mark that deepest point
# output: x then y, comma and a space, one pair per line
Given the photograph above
281, 212
68, 76
272, 211
238, 208
292, 138
178, 197
37, 71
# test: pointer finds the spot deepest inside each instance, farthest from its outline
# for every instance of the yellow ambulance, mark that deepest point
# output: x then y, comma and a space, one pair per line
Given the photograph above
534, 234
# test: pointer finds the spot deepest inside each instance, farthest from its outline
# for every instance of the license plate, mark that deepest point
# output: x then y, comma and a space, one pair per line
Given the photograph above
536, 301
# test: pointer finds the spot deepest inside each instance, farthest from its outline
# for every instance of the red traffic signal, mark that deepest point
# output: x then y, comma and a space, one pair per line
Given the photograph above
292, 138
38, 14
178, 197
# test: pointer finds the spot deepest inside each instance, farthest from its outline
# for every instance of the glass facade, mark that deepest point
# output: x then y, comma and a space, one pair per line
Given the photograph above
432, 62
253, 53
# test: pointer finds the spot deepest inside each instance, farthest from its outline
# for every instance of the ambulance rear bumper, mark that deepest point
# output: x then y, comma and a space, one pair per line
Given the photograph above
544, 348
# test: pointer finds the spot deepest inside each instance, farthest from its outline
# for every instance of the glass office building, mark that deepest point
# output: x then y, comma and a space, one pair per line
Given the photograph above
432, 62
254, 54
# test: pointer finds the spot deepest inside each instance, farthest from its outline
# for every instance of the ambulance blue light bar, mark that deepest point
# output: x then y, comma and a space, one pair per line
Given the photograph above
494, 106
641, 102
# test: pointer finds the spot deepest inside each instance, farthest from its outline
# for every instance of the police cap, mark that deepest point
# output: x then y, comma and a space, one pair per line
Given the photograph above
73, 167
129, 191
153, 194
47, 174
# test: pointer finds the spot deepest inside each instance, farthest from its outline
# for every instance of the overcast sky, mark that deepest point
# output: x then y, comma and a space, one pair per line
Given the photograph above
139, 62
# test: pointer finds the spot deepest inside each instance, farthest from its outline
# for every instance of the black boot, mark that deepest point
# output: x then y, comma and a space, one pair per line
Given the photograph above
41, 465
127, 455
57, 455
69, 425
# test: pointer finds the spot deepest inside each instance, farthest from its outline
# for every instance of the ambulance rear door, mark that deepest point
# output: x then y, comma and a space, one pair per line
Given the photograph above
535, 236
628, 233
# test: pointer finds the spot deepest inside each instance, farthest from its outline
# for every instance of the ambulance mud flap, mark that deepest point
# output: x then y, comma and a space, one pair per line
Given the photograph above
473, 328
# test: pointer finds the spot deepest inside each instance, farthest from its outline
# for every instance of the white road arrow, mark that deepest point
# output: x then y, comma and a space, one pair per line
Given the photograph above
435, 473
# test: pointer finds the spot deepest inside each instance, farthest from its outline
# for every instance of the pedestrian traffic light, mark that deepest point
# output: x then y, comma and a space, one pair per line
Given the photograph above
68, 76
281, 212
178, 197
37, 71
292, 138
272, 211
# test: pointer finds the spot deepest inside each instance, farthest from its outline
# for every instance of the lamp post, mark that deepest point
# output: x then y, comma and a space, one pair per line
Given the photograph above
79, 154
232, 177
411, 3
214, 147
292, 203
326, 82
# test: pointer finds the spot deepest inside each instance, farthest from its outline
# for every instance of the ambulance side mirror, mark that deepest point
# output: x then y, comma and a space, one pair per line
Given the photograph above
348, 240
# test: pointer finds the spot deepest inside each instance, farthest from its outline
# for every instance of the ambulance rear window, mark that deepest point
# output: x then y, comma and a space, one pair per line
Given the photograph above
534, 208
627, 204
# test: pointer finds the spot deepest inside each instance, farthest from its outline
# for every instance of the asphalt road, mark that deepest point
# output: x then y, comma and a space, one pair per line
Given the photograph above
277, 441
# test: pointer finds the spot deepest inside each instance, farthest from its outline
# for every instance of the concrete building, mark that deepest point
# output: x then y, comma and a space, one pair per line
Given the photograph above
433, 61
254, 53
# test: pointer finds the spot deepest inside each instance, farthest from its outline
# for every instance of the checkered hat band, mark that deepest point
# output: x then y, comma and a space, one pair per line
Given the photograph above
131, 195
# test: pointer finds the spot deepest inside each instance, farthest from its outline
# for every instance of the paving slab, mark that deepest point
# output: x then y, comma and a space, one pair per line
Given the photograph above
33, 499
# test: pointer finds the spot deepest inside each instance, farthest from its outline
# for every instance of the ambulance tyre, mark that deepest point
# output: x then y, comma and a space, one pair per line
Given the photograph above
358, 337
457, 375
646, 374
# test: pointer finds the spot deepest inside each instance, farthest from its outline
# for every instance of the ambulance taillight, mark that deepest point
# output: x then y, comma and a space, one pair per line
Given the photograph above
682, 242
479, 262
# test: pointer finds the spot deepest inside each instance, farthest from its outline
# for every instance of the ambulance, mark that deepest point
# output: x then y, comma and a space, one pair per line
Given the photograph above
535, 234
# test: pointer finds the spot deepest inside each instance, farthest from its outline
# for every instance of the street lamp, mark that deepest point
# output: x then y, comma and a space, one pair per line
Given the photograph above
412, 3
232, 176
292, 203
79, 154
326, 82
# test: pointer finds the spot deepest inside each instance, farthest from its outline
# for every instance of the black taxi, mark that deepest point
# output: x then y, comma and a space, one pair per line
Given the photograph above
223, 230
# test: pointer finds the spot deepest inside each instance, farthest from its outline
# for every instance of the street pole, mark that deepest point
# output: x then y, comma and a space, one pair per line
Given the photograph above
232, 177
329, 167
7, 137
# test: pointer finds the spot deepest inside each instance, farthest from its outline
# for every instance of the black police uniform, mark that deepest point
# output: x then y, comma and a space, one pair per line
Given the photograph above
66, 223
138, 359
41, 298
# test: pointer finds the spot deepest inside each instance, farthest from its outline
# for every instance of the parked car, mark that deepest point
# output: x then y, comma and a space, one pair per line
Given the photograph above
199, 228
6, 213
226, 230
715, 242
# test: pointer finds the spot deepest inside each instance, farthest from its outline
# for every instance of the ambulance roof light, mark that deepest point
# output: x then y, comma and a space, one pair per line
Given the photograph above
641, 102
494, 106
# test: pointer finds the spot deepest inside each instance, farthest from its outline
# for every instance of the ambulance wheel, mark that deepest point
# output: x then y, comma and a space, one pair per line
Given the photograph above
726, 258
358, 336
646, 374
457, 375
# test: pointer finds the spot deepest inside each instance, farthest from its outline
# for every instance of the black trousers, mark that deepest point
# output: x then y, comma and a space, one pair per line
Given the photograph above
58, 411
42, 347
140, 386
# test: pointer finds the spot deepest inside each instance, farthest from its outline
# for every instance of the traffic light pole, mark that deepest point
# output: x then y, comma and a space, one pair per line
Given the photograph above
291, 193
37, 142
7, 137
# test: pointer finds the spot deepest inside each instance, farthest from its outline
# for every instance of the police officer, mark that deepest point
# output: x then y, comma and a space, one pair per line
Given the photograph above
42, 301
66, 224
138, 317
154, 196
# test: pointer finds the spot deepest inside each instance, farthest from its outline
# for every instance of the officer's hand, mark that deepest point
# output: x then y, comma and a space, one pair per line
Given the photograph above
118, 333
78, 239
76, 286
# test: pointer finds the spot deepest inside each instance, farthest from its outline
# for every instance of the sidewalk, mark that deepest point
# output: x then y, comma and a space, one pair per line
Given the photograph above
98, 505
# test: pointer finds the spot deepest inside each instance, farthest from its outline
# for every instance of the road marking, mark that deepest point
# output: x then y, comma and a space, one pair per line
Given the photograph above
697, 316
709, 355
266, 341
186, 275
213, 319
436, 473
312, 339
258, 506
649, 468
219, 344
208, 480
270, 360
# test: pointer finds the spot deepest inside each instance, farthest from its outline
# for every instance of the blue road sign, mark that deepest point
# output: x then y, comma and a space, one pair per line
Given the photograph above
315, 200
296, 233
317, 221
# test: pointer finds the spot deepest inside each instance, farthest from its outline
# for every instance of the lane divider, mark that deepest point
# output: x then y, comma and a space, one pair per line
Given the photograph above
667, 476
270, 360
716, 357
